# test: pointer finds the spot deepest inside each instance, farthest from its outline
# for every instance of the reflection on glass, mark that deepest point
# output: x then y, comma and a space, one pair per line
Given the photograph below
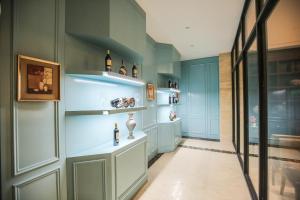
240, 43
241, 114
250, 18
284, 100
253, 106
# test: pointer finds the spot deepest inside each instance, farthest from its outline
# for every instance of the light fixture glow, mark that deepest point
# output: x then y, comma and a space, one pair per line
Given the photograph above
94, 82
167, 90
136, 82
105, 112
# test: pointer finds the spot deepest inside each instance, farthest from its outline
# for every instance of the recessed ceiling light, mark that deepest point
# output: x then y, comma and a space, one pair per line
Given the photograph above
187, 27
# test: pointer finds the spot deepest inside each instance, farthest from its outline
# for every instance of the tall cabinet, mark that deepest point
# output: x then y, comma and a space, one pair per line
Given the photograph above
200, 97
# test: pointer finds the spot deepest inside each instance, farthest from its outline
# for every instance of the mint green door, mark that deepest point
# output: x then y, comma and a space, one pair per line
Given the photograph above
201, 98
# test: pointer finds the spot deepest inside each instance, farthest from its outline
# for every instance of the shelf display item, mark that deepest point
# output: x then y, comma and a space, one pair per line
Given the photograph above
116, 135
128, 102
131, 123
123, 102
134, 72
108, 62
123, 70
172, 116
117, 103
170, 84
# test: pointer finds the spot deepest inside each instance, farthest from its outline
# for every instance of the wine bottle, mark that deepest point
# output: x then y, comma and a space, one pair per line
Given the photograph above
170, 99
134, 71
169, 83
116, 135
123, 70
173, 98
108, 62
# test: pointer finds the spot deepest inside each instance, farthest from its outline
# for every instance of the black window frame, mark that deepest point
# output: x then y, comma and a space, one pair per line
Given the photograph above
258, 32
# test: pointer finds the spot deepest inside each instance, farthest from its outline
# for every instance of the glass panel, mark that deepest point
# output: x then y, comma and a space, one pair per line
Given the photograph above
235, 110
283, 64
253, 106
250, 18
241, 114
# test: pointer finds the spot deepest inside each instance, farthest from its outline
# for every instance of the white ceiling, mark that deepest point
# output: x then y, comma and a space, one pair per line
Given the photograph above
213, 24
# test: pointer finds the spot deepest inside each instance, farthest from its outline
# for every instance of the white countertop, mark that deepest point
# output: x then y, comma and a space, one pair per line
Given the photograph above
108, 148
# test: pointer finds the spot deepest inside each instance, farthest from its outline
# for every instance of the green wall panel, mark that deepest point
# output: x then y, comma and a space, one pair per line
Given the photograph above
33, 135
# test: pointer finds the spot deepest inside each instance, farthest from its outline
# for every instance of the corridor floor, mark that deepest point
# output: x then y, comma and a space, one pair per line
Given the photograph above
197, 170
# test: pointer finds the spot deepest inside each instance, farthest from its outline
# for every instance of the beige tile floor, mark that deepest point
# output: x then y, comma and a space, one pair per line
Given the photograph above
192, 174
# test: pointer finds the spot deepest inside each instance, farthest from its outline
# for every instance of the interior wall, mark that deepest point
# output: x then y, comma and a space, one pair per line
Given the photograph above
283, 26
149, 74
225, 97
32, 134
39, 128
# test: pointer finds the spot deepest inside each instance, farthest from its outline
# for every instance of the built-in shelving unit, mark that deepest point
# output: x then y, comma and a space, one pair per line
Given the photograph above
106, 76
104, 111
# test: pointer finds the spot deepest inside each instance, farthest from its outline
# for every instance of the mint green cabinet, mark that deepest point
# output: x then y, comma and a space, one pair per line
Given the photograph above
108, 172
168, 60
169, 135
114, 24
152, 133
172, 70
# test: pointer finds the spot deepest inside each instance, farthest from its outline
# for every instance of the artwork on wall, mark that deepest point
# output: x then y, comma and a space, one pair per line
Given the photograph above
150, 91
38, 80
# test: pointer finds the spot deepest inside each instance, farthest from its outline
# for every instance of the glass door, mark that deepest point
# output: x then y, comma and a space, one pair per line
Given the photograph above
283, 66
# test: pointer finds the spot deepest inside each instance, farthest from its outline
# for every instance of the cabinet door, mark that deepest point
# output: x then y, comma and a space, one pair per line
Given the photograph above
201, 89
153, 140
155, 134
166, 139
130, 170
149, 141
178, 132
89, 181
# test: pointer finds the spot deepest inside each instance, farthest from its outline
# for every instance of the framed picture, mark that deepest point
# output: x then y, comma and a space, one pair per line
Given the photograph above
38, 80
150, 91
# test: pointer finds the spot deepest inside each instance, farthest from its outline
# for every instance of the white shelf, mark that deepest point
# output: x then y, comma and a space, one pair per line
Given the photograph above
104, 111
168, 90
173, 104
169, 121
106, 77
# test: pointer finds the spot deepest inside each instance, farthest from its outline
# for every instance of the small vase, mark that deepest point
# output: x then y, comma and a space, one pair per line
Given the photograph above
130, 125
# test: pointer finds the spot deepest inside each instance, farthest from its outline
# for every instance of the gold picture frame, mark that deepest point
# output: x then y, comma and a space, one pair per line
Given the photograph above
150, 88
38, 80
